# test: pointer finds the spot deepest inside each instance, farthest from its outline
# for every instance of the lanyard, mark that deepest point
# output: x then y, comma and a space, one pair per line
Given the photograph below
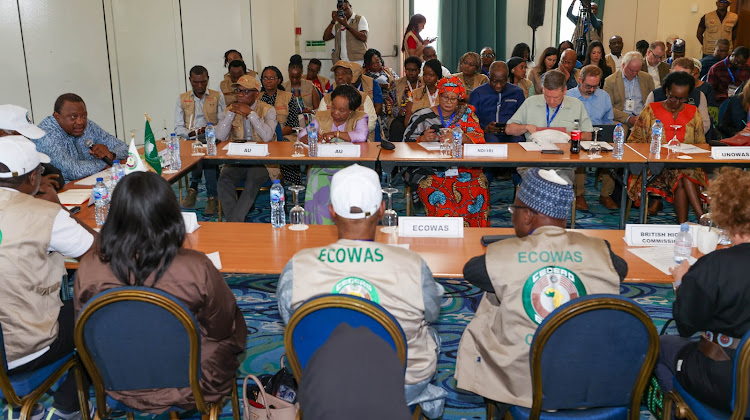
549, 120
440, 111
408, 83
726, 63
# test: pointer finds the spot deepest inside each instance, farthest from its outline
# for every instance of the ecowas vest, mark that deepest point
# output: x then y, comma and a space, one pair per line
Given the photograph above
355, 48
210, 105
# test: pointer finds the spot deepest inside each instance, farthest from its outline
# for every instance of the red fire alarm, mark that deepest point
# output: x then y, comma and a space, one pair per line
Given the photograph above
298, 31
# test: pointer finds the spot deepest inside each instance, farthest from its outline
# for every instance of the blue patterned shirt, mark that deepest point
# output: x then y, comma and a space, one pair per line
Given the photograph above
70, 155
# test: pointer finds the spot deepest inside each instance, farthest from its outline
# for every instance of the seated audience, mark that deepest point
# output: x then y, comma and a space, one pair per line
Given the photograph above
642, 47
734, 120
194, 110
465, 194
677, 50
468, 66
547, 61
426, 96
404, 90
395, 278
567, 45
569, 69
522, 50
653, 65
152, 255
702, 86
342, 121
413, 44
614, 58
521, 290
237, 69
629, 89
429, 53
728, 74
595, 56
721, 51
345, 72
37, 234
488, 56
304, 91
711, 298
282, 101
495, 102
248, 118
320, 82
678, 186
517, 74
67, 130
696, 98
385, 79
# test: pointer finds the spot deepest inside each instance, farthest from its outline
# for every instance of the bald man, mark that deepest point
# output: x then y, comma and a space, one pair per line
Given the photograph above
495, 102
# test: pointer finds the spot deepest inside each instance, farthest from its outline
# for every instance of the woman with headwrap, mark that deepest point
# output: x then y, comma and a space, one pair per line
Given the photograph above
464, 194
517, 74
426, 96
468, 66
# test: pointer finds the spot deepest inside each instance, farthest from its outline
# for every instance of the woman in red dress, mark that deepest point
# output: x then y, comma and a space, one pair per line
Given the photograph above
413, 44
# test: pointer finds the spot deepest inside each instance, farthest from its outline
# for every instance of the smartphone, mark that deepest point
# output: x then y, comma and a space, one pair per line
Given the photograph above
552, 152
501, 126
75, 209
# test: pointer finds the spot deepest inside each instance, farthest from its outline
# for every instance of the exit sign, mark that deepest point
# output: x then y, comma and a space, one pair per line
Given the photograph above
315, 46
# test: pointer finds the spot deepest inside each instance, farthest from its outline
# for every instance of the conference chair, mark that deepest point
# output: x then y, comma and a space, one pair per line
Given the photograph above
24, 389
313, 323
133, 338
687, 406
591, 358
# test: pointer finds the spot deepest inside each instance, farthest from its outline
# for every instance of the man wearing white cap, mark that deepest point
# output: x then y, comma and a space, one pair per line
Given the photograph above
395, 278
526, 278
35, 235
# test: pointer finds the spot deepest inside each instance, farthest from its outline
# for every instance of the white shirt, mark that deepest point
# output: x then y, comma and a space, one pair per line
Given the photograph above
362, 27
265, 127
617, 60
654, 72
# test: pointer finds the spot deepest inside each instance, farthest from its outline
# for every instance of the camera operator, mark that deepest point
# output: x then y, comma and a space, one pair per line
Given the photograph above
588, 26
350, 33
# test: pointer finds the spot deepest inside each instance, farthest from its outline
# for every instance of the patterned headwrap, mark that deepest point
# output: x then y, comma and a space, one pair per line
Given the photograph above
452, 84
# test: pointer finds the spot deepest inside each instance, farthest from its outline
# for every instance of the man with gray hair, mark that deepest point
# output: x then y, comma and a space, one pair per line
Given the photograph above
628, 89
523, 285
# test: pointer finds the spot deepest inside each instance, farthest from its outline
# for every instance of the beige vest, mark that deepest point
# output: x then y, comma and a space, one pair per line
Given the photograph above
716, 30
421, 100
30, 277
210, 105
227, 90
388, 276
355, 48
238, 132
307, 90
531, 276
327, 99
282, 106
325, 121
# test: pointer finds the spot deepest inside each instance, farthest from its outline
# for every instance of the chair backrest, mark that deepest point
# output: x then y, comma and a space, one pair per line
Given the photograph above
740, 388
6, 387
133, 338
314, 321
723, 109
606, 343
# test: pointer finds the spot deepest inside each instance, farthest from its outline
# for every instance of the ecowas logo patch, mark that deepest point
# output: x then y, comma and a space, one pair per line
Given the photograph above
356, 286
548, 288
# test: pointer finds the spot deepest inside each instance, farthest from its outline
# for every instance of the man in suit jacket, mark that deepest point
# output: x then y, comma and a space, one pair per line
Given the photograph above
653, 63
629, 89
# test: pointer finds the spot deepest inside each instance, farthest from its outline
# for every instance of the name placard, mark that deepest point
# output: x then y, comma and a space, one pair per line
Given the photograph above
247, 149
431, 227
650, 235
486, 150
731, 153
339, 150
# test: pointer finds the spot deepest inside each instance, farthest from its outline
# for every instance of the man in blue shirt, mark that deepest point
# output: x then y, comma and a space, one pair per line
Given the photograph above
599, 107
495, 102
67, 130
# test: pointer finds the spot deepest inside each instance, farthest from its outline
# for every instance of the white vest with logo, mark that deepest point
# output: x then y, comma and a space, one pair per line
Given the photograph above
389, 276
531, 276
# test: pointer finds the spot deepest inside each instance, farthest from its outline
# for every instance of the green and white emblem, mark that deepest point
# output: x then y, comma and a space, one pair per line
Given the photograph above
547, 289
356, 286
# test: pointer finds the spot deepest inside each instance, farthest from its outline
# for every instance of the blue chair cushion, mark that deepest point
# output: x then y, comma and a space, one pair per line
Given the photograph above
702, 411
25, 383
606, 413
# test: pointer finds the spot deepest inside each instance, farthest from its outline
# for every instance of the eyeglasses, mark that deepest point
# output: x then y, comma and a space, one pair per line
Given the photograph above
244, 91
512, 208
675, 98
447, 99
587, 86
658, 57
488, 55
269, 78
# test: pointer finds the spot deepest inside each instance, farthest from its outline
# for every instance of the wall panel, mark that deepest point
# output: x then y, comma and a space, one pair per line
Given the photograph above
14, 84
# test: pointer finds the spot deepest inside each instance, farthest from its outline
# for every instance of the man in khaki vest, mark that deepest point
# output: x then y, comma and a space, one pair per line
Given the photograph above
395, 278
721, 23
195, 109
345, 73
252, 119
36, 231
525, 279
349, 31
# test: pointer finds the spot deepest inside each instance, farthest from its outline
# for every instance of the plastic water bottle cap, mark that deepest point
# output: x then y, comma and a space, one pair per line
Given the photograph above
619, 124
99, 179
116, 161
684, 227
277, 181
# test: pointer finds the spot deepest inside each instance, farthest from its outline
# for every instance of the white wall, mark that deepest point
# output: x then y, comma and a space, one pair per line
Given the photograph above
13, 84
518, 30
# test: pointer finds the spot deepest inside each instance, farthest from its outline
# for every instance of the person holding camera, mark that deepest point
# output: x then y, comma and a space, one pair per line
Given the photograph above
349, 31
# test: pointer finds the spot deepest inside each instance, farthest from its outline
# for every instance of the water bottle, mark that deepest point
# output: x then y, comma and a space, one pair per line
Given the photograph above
458, 148
101, 201
312, 139
657, 133
683, 244
210, 140
174, 150
619, 137
575, 138
117, 172
278, 216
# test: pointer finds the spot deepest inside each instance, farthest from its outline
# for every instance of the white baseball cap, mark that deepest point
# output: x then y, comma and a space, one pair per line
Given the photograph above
20, 156
356, 192
16, 118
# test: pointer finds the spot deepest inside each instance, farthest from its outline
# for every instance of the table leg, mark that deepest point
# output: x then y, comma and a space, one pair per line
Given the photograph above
644, 185
624, 198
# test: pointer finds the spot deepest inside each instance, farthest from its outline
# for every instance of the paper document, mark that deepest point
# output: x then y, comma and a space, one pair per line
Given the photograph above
661, 257
74, 197
91, 180
214, 257
689, 149
604, 145
530, 146
191, 221
430, 146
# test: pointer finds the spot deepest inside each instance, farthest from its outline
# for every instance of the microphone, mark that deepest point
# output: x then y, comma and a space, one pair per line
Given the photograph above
387, 145
90, 144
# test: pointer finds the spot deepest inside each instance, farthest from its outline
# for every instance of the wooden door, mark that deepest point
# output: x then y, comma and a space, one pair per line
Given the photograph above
742, 8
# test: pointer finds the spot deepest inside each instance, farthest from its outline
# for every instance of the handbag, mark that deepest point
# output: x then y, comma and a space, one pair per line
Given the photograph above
273, 408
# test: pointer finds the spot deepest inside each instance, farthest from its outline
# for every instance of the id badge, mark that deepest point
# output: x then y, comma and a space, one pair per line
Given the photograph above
732, 89
629, 105
451, 172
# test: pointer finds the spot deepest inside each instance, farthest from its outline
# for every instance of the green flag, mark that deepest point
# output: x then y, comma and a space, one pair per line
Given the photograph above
149, 145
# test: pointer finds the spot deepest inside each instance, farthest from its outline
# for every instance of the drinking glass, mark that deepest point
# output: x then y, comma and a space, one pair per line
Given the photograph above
595, 149
706, 220
390, 217
674, 144
297, 213
198, 149
446, 142
299, 147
